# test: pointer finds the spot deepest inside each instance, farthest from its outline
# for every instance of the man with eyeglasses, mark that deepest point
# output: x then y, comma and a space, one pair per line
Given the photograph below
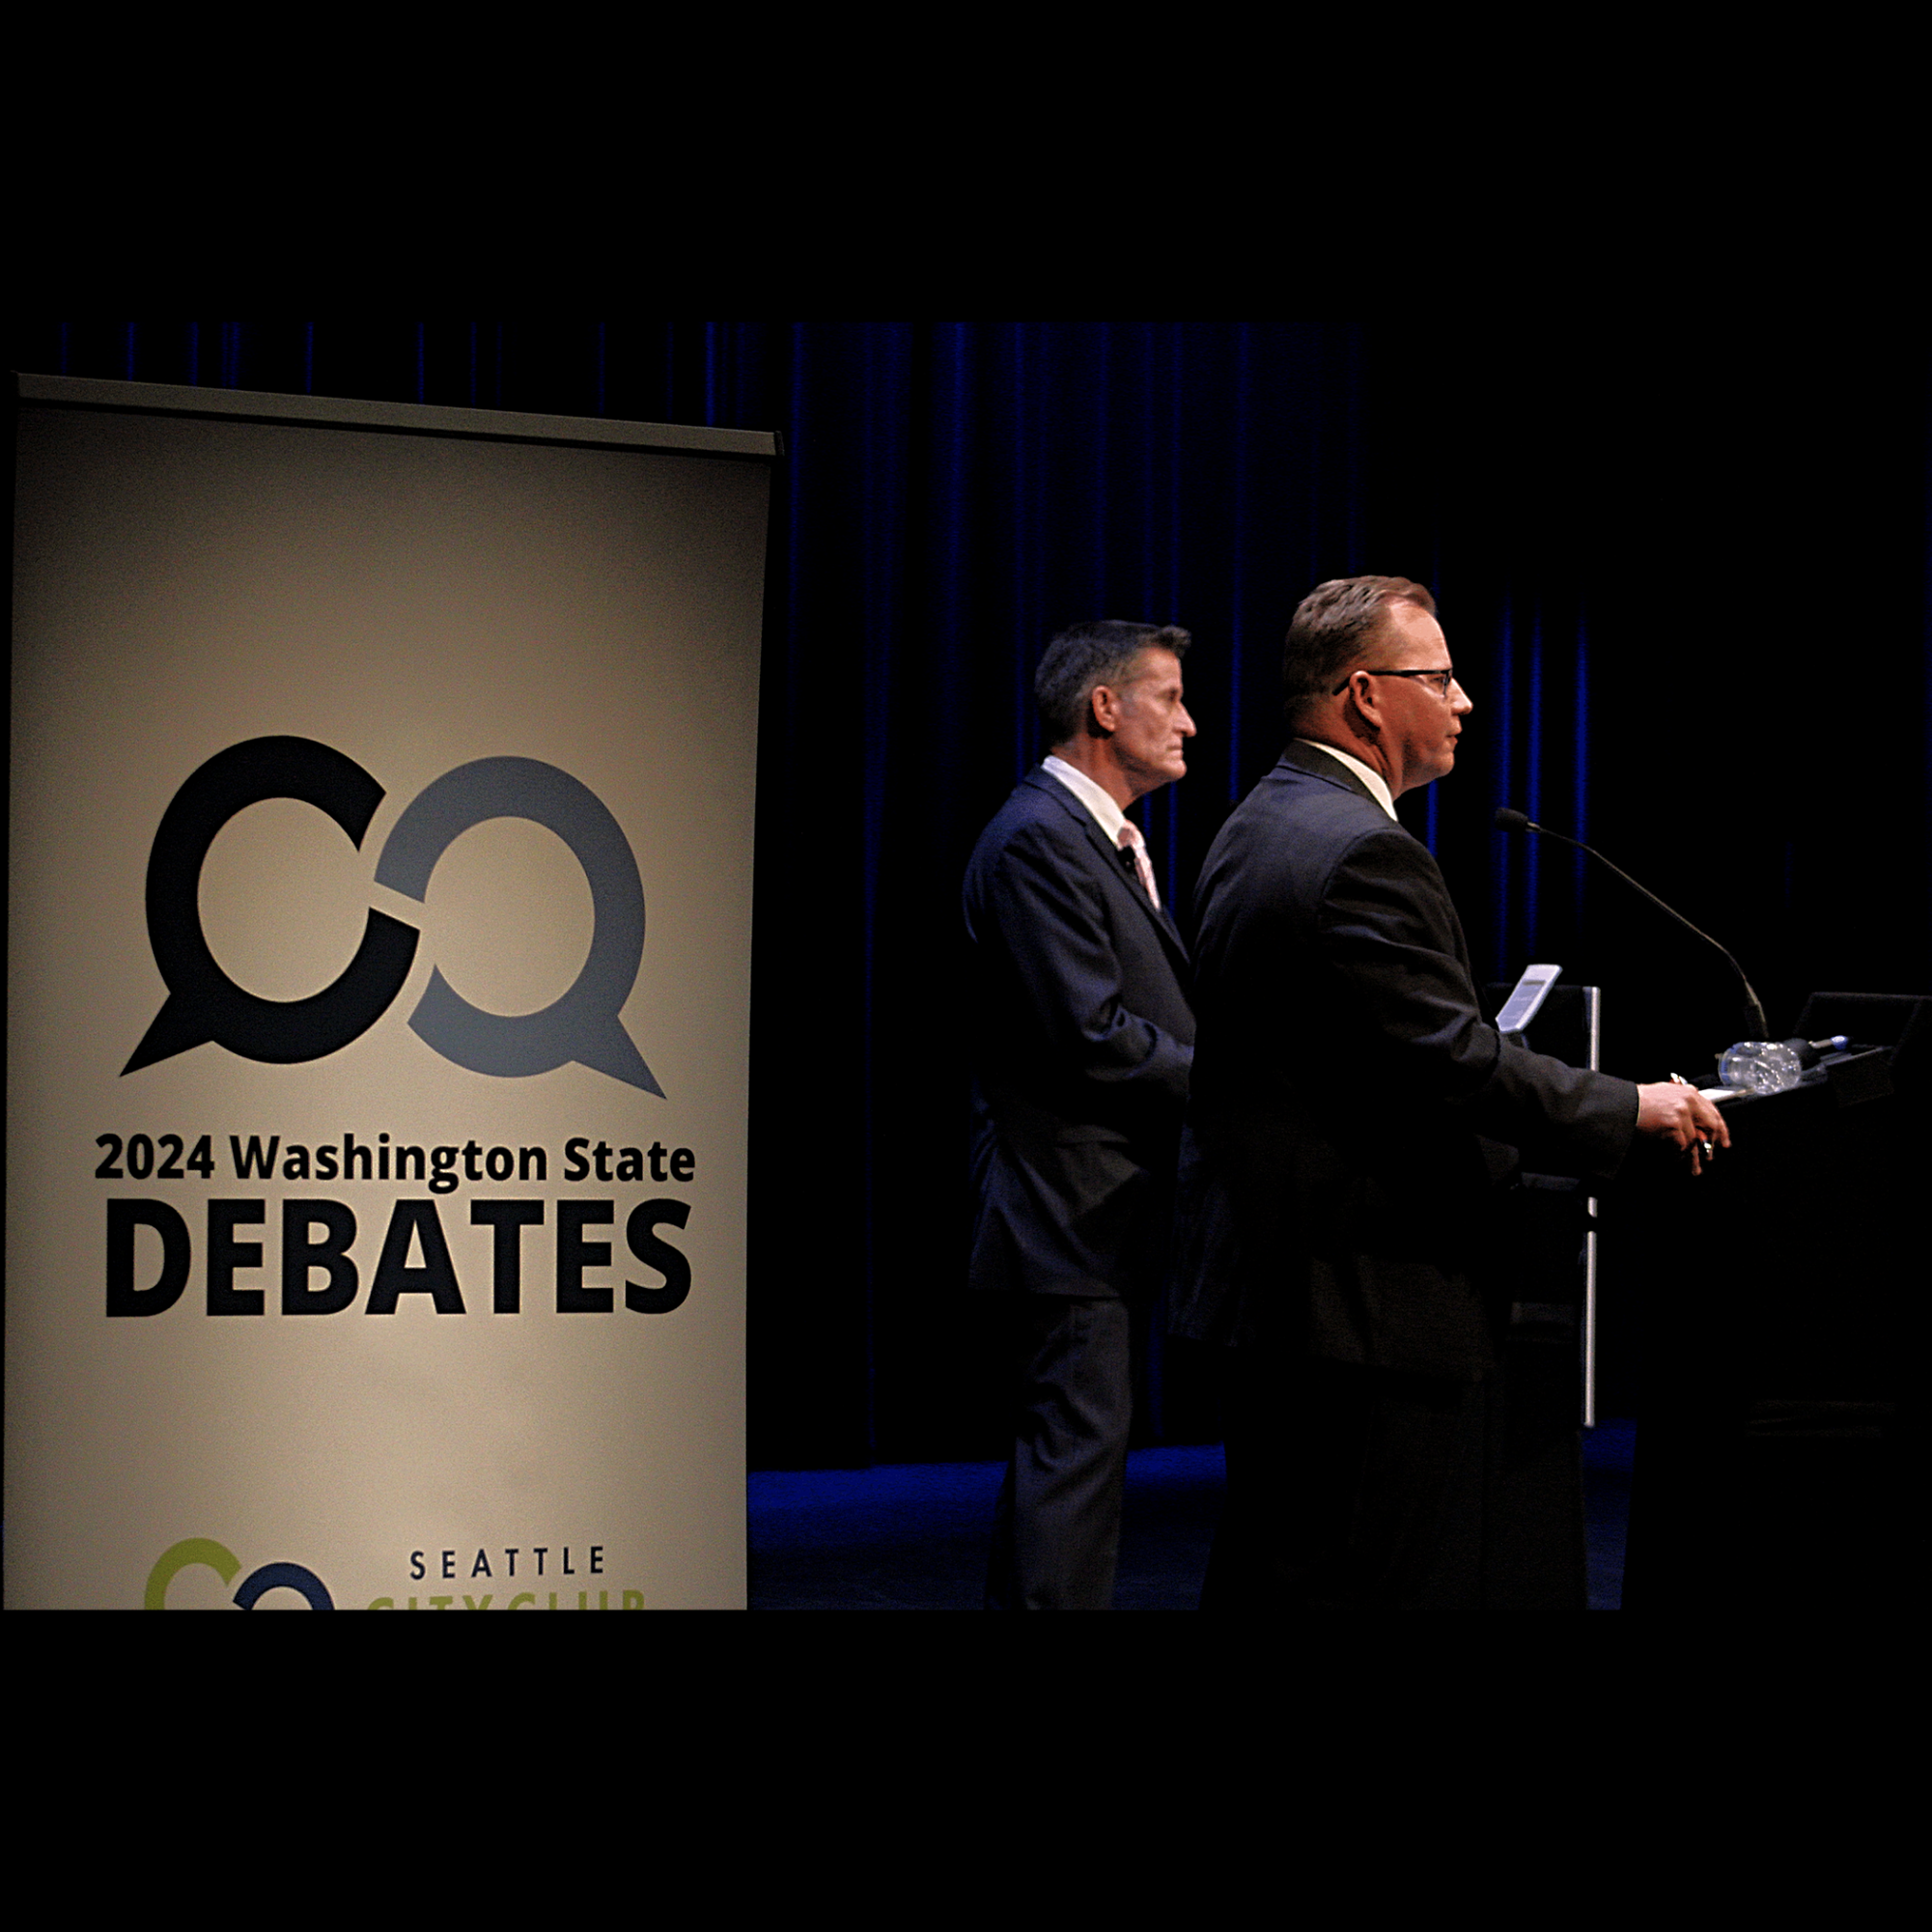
1351, 1117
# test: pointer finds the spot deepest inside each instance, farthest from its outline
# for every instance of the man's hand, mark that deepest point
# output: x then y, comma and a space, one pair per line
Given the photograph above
1684, 1117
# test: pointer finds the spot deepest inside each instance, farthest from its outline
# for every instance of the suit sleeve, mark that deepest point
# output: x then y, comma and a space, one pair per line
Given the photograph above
1387, 928
1043, 913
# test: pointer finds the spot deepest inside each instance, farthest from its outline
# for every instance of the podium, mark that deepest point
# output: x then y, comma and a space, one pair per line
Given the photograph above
1777, 1331
1779, 1320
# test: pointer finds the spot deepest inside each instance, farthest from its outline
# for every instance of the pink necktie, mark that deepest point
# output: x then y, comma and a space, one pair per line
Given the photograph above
1131, 841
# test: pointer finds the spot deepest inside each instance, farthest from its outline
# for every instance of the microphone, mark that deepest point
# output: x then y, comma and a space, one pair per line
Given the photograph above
1508, 820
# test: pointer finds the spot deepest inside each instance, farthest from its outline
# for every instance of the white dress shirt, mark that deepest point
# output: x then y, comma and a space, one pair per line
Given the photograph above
1109, 816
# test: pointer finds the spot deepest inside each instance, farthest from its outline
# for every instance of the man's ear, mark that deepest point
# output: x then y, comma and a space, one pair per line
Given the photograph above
1103, 712
1367, 708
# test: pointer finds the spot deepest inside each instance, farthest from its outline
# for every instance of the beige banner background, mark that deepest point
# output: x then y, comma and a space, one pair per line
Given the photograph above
414, 602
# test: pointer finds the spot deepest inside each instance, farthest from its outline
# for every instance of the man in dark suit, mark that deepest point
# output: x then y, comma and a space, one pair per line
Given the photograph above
1082, 1042
1351, 1122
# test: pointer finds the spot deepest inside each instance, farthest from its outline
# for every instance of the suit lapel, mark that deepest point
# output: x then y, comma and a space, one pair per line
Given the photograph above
1110, 858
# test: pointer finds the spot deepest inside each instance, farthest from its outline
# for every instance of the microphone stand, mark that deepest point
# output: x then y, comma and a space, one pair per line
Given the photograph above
1508, 820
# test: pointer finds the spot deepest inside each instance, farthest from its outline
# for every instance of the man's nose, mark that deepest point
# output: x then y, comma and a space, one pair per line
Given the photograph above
1187, 723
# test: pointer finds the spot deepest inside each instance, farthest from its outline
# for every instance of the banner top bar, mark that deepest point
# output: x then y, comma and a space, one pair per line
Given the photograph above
431, 419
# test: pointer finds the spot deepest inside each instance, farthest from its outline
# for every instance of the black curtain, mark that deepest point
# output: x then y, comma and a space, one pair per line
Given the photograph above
1683, 571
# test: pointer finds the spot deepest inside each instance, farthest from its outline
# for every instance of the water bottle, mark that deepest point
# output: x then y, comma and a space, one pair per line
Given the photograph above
1810, 1052
1759, 1067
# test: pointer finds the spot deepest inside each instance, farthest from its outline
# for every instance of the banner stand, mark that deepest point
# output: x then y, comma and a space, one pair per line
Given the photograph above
378, 1005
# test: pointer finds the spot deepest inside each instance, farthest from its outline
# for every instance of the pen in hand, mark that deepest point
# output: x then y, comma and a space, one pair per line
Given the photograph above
1678, 1079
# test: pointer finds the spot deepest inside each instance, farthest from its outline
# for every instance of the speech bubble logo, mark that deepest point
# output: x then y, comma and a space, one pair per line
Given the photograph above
202, 1002
204, 1553
583, 1024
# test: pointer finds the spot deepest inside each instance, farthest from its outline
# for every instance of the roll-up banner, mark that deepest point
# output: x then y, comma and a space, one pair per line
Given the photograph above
379, 997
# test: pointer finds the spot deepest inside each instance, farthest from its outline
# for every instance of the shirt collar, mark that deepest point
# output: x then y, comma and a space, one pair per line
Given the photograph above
1377, 784
1093, 795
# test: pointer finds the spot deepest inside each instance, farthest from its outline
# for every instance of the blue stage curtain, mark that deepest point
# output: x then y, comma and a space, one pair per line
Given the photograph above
1684, 574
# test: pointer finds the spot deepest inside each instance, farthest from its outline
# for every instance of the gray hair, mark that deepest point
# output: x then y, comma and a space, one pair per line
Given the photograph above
1089, 655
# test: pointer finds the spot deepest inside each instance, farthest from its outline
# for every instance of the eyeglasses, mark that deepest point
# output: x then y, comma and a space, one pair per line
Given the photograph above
1442, 679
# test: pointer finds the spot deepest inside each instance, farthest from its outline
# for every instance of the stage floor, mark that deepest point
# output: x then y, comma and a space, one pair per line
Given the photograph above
913, 1535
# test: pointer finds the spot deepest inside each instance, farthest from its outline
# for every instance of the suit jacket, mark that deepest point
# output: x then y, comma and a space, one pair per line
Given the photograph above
1083, 1038
1354, 1116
